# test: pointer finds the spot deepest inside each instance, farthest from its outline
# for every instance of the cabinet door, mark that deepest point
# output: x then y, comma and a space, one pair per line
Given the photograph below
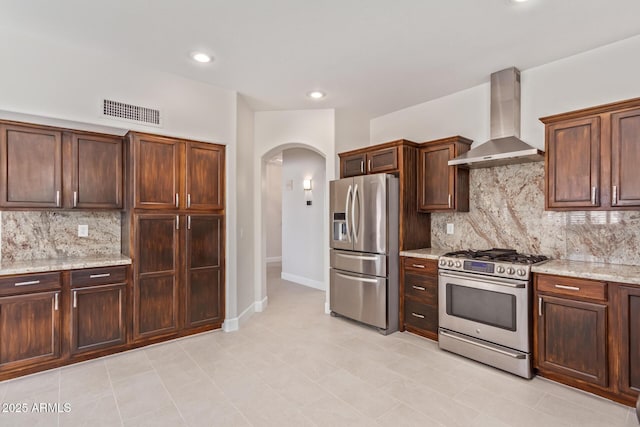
572, 339
625, 158
156, 269
97, 317
29, 329
385, 160
204, 268
31, 167
573, 164
436, 179
157, 172
97, 172
629, 321
352, 165
204, 176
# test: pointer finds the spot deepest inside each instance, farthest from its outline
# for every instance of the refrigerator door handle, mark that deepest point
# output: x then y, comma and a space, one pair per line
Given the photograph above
346, 210
356, 230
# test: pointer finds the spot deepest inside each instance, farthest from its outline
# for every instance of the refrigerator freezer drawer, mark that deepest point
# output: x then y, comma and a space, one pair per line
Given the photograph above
362, 298
358, 262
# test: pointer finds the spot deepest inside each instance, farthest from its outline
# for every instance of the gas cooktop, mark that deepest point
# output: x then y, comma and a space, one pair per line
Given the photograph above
492, 262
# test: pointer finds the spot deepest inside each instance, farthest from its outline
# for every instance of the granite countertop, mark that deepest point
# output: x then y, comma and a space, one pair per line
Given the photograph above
42, 265
427, 253
591, 270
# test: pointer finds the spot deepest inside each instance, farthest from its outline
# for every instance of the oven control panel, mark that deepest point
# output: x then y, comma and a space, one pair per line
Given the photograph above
489, 268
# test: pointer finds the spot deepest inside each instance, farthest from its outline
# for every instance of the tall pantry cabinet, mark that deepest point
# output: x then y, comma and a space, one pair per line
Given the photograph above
174, 231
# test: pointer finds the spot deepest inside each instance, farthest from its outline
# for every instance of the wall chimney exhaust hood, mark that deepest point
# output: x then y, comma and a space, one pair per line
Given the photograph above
505, 146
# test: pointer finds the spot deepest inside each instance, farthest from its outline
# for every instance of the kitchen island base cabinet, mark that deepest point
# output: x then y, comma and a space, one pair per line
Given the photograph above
29, 329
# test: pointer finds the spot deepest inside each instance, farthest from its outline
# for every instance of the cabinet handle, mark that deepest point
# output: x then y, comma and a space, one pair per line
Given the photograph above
593, 195
189, 222
75, 299
419, 288
539, 306
369, 166
75, 199
361, 166
30, 282
177, 222
58, 198
177, 201
95, 276
417, 265
189, 200
569, 288
615, 194
419, 316
55, 302
449, 201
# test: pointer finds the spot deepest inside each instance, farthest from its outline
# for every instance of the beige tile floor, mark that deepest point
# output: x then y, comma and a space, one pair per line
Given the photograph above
293, 365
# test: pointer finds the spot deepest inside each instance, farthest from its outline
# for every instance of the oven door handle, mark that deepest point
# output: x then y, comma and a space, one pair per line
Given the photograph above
486, 347
478, 278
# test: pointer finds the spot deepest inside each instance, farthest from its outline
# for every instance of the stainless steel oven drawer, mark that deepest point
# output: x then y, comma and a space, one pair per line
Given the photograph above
359, 262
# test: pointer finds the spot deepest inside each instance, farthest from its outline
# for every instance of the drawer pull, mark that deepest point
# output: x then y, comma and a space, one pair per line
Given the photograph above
55, 302
419, 288
189, 200
96, 276
177, 201
417, 265
568, 288
419, 316
30, 282
75, 299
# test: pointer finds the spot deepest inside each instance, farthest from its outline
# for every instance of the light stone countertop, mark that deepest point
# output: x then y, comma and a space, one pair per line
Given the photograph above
427, 253
43, 265
591, 270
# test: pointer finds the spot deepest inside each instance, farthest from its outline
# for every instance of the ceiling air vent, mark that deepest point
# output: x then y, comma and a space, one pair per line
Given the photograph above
130, 112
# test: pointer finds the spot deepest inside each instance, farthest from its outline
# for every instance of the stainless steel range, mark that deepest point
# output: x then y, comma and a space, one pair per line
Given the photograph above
484, 300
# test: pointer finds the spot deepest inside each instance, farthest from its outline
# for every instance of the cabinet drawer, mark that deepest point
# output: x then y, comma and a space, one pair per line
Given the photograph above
573, 287
427, 266
420, 316
98, 276
29, 283
421, 287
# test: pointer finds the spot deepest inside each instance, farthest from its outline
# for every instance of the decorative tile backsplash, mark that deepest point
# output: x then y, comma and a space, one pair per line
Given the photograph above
507, 211
29, 235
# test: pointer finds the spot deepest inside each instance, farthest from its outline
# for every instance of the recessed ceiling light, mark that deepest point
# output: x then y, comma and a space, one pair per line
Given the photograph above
200, 57
316, 94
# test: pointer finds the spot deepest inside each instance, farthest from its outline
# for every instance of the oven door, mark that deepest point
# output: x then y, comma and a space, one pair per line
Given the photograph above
491, 309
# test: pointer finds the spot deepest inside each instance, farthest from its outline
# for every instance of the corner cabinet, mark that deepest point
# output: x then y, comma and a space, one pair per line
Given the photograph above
587, 335
400, 159
441, 187
53, 168
592, 157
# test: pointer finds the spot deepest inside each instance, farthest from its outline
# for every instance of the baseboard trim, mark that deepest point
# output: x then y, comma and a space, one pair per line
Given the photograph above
232, 325
327, 308
260, 306
315, 284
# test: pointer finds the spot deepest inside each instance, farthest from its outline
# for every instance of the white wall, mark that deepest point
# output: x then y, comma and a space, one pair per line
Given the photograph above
602, 75
276, 131
352, 131
303, 233
273, 210
41, 77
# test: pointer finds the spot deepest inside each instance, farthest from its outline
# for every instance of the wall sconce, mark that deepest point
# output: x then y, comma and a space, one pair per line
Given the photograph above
306, 184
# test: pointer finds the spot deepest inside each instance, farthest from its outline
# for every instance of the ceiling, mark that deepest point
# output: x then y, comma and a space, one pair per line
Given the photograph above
372, 56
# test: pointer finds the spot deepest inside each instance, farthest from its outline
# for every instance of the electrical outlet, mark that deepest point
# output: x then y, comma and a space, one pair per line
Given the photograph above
83, 230
449, 228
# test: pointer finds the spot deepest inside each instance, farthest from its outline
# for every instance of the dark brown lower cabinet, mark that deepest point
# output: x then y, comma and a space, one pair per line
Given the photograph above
98, 317
573, 339
419, 288
203, 280
629, 321
155, 289
29, 329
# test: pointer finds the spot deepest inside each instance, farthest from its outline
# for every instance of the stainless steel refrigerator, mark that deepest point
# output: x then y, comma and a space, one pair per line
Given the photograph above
364, 250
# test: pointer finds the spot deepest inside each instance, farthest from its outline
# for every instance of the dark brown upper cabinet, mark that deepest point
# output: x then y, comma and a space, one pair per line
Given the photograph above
376, 159
592, 157
171, 174
48, 168
442, 187
352, 165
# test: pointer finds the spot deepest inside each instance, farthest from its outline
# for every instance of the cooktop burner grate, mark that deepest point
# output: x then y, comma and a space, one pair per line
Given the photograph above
498, 254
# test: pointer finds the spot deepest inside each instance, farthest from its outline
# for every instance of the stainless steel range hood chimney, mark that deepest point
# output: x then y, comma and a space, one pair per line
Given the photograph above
505, 146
